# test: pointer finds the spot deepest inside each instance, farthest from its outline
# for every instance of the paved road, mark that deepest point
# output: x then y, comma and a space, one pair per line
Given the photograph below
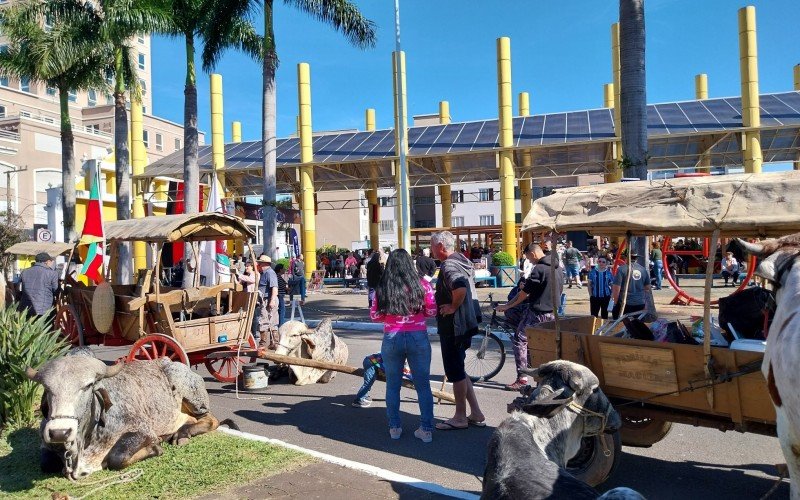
689, 463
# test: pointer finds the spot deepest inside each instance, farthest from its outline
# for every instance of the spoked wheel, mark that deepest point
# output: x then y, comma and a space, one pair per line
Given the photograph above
155, 346
228, 369
485, 356
68, 323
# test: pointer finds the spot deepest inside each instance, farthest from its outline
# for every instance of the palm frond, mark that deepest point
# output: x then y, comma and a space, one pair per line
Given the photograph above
235, 33
343, 16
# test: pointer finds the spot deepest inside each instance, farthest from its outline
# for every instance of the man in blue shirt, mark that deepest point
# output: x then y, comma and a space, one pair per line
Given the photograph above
600, 281
268, 311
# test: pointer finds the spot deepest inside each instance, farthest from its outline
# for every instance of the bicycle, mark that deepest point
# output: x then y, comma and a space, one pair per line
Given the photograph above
487, 353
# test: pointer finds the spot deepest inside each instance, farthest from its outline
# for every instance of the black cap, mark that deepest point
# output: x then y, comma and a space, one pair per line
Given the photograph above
43, 257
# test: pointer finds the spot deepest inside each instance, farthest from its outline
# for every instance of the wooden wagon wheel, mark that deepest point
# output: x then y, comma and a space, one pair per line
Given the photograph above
228, 369
155, 346
68, 323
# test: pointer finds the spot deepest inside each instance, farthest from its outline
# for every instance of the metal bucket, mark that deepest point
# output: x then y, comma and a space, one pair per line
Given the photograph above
255, 377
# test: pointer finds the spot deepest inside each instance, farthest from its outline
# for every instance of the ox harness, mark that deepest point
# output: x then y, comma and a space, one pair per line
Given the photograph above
100, 405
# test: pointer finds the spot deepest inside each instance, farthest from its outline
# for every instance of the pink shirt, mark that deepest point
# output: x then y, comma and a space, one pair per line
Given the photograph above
413, 323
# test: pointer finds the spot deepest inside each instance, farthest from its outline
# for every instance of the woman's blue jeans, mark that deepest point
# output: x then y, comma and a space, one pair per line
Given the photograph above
370, 371
416, 348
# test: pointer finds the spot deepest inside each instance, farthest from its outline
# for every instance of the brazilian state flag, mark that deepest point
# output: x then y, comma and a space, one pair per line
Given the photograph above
90, 245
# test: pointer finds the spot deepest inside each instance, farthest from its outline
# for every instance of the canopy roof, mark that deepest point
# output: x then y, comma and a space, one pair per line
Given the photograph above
745, 205
560, 144
206, 226
34, 247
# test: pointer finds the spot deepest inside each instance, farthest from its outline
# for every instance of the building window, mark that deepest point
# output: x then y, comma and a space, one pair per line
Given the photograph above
146, 138
51, 91
424, 223
143, 85
457, 196
425, 200
144, 110
485, 194
94, 128
2, 111
177, 144
109, 99
141, 61
387, 226
386, 201
159, 142
3, 81
92, 94
73, 96
487, 220
458, 221
140, 39
25, 84
4, 49
48, 22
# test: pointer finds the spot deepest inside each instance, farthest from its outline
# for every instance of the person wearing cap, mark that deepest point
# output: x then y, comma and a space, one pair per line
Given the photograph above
39, 286
638, 287
267, 319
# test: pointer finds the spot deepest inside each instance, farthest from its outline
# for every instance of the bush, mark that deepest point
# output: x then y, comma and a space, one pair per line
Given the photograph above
285, 263
502, 259
23, 342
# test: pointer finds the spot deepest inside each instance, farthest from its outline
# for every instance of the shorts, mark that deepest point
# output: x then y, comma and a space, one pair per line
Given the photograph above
454, 351
573, 270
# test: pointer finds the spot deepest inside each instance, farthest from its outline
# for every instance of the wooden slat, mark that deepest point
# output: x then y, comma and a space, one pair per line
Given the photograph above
645, 369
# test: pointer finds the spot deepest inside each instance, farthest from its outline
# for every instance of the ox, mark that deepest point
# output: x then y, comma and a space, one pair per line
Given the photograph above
320, 344
529, 451
98, 416
783, 345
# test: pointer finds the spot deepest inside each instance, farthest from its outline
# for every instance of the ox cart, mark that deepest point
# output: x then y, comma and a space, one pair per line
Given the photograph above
653, 384
159, 320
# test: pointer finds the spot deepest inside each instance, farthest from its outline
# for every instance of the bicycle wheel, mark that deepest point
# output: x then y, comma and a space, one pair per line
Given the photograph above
485, 357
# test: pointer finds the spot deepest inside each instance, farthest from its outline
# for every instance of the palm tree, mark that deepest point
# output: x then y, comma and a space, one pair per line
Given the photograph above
343, 16
633, 96
65, 56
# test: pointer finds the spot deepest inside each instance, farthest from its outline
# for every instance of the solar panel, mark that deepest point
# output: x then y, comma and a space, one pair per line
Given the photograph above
578, 127
426, 140
442, 143
351, 142
555, 128
655, 125
728, 112
601, 123
699, 116
467, 137
356, 151
532, 130
487, 138
674, 119
774, 111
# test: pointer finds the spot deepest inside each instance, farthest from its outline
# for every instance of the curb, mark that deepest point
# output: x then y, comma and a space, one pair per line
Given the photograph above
368, 469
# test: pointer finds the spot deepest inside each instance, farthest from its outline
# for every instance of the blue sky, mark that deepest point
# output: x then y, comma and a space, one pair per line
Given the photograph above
560, 54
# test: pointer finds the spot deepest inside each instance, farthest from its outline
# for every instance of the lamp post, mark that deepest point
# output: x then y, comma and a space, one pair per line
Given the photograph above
401, 124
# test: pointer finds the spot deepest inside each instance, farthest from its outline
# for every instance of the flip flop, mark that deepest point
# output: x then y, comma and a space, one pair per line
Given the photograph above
482, 423
447, 426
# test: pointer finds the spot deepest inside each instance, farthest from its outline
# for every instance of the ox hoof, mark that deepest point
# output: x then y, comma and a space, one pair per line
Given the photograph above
156, 451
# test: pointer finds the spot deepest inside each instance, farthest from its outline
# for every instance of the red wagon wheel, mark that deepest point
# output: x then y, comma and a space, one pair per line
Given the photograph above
228, 369
68, 323
155, 346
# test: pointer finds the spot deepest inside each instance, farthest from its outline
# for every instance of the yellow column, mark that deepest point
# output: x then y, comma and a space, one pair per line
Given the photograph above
306, 170
236, 132
701, 87
137, 166
797, 77
525, 191
445, 190
748, 65
217, 133
608, 95
403, 210
372, 192
506, 156
616, 174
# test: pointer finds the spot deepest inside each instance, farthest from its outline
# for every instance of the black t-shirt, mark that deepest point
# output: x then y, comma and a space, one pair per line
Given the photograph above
539, 286
426, 266
444, 295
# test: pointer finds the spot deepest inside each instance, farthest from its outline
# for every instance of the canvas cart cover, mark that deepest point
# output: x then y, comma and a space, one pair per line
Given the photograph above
184, 227
739, 205
34, 247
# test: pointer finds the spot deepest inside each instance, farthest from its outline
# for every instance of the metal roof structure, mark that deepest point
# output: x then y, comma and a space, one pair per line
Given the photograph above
560, 144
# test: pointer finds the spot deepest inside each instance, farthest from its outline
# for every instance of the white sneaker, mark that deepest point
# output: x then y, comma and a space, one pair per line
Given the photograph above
424, 436
395, 432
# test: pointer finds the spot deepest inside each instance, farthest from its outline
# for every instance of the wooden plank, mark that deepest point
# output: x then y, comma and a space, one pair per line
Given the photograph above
646, 369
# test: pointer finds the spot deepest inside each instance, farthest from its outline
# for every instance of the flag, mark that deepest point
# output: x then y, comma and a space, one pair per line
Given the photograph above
90, 245
215, 264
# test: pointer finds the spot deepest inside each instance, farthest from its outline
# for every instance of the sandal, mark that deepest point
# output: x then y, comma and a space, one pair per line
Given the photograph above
449, 426
476, 423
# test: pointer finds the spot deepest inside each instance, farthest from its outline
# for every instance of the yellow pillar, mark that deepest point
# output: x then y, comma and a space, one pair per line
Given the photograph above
506, 156
797, 77
403, 211
701, 87
616, 173
217, 133
445, 190
608, 95
372, 192
525, 191
236, 132
748, 65
306, 170
137, 166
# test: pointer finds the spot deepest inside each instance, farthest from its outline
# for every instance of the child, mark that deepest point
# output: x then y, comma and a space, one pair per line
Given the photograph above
373, 367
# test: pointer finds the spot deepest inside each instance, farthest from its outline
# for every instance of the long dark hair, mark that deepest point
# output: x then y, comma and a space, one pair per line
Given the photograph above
399, 292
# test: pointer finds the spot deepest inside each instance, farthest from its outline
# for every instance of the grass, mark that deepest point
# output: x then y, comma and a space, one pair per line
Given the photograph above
209, 463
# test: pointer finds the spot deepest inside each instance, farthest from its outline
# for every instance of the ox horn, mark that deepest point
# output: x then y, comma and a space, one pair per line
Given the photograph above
113, 370
30, 373
751, 248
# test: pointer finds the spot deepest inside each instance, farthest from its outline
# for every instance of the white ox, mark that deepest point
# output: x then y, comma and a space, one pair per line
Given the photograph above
782, 356
320, 344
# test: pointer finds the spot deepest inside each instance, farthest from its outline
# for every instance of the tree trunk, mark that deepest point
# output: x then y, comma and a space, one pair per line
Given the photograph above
67, 166
191, 172
121, 169
269, 133
633, 98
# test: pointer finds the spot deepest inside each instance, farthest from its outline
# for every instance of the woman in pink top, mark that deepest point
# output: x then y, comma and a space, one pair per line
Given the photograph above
402, 302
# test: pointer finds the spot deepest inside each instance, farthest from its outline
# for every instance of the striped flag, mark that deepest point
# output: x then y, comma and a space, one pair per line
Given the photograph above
90, 245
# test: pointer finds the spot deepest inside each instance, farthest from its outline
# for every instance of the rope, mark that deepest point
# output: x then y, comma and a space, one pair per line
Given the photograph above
121, 478
783, 472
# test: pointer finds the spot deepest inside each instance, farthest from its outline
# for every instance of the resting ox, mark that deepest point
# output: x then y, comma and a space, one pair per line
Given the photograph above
319, 344
781, 359
98, 416
529, 451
